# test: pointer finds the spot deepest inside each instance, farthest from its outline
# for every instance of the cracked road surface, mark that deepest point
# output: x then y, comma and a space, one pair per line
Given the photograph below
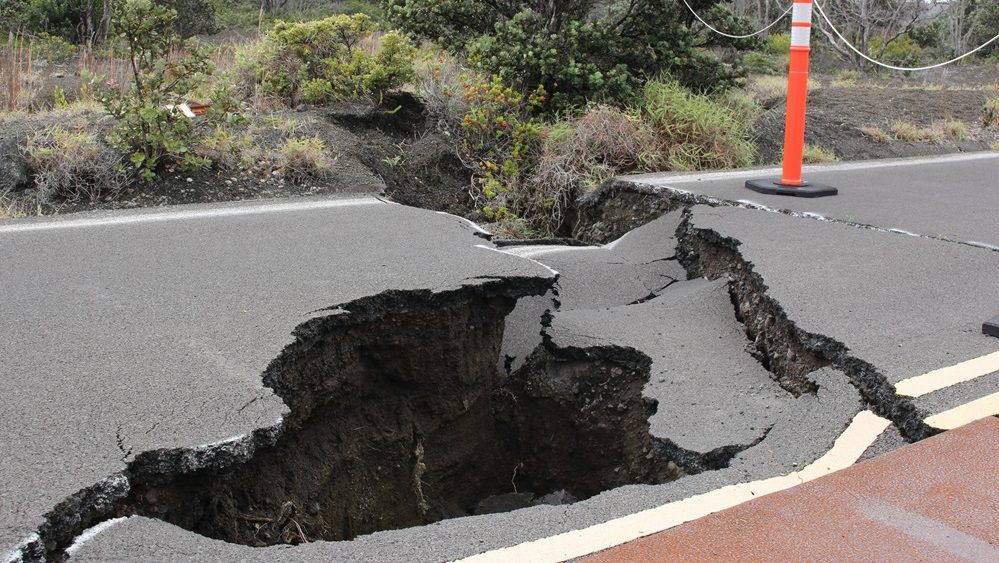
951, 197
126, 333
153, 332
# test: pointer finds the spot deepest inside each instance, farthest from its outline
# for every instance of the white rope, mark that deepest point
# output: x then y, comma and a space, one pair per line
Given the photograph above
755, 33
888, 66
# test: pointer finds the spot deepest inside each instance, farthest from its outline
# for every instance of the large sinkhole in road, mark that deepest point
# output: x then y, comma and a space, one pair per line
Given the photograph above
400, 417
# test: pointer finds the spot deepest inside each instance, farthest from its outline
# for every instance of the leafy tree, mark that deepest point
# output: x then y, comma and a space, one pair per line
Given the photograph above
577, 50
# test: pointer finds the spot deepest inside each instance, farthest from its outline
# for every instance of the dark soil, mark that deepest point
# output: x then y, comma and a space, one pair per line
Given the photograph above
836, 114
403, 419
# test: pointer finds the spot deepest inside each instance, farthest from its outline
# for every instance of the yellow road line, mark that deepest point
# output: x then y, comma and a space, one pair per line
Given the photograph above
851, 444
945, 377
966, 413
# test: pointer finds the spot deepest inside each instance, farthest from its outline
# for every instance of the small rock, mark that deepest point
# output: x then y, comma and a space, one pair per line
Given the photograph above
558, 498
504, 503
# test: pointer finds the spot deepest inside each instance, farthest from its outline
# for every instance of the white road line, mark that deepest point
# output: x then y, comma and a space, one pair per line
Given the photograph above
660, 179
966, 413
852, 443
948, 376
91, 533
179, 215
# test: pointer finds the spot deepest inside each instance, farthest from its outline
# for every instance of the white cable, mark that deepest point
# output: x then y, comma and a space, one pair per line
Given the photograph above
888, 66
755, 33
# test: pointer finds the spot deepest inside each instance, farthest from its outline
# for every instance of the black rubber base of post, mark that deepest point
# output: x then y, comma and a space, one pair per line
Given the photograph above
991, 328
773, 187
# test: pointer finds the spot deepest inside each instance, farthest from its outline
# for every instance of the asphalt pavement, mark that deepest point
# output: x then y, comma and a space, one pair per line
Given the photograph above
127, 332
949, 197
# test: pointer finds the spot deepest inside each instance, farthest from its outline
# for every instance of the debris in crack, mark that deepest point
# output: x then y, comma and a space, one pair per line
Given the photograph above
693, 462
788, 352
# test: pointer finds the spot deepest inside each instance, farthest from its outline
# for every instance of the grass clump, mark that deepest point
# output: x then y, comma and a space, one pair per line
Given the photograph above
951, 129
817, 155
906, 131
692, 131
73, 165
301, 159
578, 155
990, 113
876, 134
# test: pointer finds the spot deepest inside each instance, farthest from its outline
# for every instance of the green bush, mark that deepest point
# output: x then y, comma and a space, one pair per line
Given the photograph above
148, 127
692, 131
578, 50
194, 17
500, 138
763, 63
779, 43
296, 58
902, 51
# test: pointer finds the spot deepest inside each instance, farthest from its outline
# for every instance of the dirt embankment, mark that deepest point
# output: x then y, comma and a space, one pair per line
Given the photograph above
388, 150
837, 114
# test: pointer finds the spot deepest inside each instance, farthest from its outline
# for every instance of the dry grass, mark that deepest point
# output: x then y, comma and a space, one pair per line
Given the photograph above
767, 87
990, 113
301, 159
995, 146
71, 164
906, 131
950, 129
12, 208
876, 134
579, 155
18, 80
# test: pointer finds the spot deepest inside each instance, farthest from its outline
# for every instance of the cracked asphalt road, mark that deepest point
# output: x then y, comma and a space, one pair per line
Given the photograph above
152, 330
130, 332
951, 197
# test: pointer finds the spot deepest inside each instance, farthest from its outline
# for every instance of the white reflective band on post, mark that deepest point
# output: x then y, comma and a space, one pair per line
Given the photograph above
802, 12
800, 36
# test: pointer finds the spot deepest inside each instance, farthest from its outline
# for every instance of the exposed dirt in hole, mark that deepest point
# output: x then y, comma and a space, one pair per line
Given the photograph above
403, 419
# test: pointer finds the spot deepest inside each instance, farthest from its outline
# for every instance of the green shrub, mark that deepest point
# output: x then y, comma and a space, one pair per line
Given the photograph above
902, 51
296, 57
578, 50
779, 43
317, 91
72, 165
148, 127
194, 17
763, 63
500, 138
692, 131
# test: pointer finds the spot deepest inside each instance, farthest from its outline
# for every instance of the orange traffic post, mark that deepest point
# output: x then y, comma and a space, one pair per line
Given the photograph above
790, 182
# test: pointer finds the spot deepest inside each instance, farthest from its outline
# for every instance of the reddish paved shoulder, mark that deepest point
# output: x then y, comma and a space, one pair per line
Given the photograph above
937, 500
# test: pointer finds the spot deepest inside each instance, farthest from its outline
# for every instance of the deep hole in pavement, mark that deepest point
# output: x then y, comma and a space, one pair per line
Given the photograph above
404, 419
